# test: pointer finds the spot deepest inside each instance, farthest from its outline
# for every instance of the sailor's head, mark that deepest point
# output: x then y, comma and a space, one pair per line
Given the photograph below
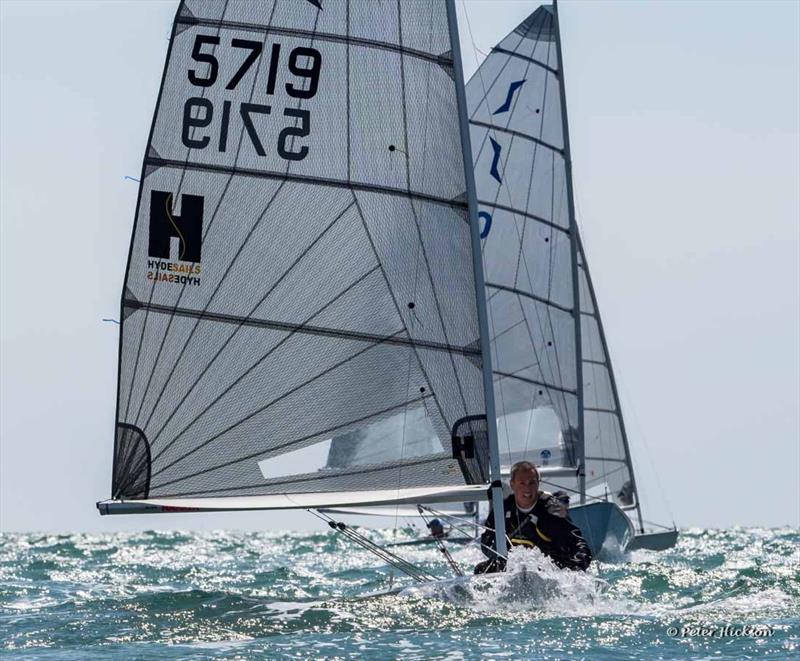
525, 483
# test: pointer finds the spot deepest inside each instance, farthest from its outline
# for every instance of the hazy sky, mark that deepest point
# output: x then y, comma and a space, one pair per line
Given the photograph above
685, 132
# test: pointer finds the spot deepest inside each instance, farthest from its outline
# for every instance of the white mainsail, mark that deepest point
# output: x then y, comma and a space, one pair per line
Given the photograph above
301, 264
554, 386
518, 146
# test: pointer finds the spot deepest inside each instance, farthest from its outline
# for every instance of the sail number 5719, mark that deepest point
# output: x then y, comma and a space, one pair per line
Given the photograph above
198, 112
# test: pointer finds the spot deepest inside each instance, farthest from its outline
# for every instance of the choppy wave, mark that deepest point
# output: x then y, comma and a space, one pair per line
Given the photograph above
239, 595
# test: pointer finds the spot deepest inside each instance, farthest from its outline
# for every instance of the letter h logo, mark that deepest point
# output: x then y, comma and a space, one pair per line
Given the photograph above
187, 228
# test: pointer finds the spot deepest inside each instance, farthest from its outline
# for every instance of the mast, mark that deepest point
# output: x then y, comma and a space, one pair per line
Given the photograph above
573, 227
480, 289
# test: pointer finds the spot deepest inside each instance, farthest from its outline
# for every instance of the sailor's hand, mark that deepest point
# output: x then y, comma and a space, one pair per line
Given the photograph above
556, 507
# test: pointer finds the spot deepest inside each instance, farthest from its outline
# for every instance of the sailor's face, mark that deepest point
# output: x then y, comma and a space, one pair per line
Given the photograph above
525, 486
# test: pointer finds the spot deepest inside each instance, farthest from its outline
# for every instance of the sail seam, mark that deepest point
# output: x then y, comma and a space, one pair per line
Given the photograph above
526, 294
493, 127
600, 410
549, 386
498, 49
532, 216
300, 328
621, 461
299, 178
323, 36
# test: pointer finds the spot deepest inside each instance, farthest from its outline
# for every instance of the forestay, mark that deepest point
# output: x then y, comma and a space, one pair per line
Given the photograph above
300, 267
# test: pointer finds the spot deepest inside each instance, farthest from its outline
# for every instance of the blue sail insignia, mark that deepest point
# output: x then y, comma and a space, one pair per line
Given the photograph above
512, 88
487, 217
493, 171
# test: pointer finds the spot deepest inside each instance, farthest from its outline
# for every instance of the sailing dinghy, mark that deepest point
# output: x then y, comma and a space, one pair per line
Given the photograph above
306, 265
555, 391
305, 262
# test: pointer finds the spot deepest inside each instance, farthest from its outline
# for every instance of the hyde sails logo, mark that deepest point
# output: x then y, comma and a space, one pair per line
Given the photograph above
175, 240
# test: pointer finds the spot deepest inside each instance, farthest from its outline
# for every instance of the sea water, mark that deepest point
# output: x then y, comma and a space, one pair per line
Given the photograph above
719, 594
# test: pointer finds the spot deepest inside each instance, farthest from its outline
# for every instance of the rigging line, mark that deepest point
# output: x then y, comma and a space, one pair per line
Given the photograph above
647, 452
463, 531
350, 534
416, 274
179, 188
347, 87
243, 322
575, 491
207, 230
440, 543
385, 554
250, 369
414, 318
417, 573
476, 49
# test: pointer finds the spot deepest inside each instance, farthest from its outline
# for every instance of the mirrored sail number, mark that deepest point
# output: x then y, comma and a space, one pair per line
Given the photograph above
198, 112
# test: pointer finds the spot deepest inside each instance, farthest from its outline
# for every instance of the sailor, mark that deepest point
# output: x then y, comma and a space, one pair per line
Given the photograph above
538, 519
437, 529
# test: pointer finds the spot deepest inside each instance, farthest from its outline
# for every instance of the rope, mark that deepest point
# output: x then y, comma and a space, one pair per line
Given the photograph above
440, 543
417, 573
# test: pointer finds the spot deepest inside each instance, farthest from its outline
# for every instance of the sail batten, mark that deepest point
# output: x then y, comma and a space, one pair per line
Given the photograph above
284, 176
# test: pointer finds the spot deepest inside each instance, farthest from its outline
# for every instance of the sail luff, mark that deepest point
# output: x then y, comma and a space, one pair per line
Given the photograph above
614, 391
139, 197
480, 286
581, 444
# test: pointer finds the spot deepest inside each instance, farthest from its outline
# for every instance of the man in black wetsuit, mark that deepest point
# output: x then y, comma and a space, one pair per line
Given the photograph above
535, 518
